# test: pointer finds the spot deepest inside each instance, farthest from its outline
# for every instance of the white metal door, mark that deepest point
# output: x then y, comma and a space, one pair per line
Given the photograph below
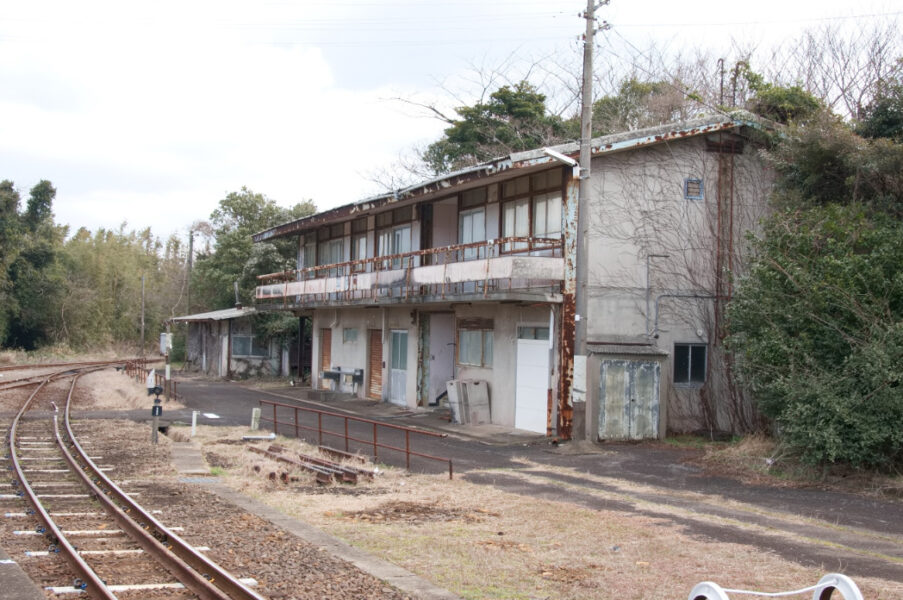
628, 400
531, 390
398, 365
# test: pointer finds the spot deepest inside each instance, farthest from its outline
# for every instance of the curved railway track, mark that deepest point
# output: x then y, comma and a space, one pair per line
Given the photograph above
66, 489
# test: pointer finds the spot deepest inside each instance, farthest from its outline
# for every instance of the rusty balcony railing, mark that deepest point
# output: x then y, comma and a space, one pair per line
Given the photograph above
479, 268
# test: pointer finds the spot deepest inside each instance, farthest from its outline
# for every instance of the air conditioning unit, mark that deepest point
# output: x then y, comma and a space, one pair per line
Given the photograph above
468, 400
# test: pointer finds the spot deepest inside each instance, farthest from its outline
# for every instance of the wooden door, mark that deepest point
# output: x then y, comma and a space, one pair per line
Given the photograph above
375, 365
325, 355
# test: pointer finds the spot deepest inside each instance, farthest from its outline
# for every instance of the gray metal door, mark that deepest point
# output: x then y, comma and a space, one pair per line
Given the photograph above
628, 400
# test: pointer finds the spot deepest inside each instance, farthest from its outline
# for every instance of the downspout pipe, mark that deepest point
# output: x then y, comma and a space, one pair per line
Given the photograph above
649, 288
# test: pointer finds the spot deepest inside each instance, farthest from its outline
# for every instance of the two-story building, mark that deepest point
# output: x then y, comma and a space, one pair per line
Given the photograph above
471, 277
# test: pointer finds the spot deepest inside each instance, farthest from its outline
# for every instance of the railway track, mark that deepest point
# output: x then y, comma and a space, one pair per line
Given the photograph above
36, 373
94, 536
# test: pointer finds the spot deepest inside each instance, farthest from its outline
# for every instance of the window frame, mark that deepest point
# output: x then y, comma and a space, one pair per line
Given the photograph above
253, 344
485, 328
687, 379
534, 191
475, 252
695, 181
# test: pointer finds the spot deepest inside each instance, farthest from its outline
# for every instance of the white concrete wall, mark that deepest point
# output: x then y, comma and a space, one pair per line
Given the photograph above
639, 209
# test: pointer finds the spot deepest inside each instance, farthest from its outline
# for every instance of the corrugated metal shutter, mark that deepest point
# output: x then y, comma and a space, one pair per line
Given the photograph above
325, 354
375, 377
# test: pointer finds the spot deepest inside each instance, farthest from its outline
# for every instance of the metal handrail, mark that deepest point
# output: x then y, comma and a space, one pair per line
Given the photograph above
494, 248
374, 442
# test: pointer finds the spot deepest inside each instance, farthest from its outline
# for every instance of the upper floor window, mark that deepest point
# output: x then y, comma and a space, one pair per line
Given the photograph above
359, 242
331, 246
471, 229
394, 235
531, 206
547, 215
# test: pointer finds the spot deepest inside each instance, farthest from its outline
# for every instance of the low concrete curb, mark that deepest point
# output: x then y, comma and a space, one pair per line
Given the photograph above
400, 578
187, 459
14, 583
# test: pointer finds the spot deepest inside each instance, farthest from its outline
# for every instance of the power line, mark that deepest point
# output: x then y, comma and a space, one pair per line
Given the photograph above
768, 22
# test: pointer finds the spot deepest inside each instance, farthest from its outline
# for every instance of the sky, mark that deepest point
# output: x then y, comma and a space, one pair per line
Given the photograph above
149, 113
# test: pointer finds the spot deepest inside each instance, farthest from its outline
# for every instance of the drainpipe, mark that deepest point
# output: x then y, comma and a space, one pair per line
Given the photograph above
229, 352
649, 289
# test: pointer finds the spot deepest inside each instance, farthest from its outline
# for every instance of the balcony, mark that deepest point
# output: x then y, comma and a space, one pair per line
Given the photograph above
513, 269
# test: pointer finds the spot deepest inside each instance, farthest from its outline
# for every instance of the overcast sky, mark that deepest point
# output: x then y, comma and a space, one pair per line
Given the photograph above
150, 112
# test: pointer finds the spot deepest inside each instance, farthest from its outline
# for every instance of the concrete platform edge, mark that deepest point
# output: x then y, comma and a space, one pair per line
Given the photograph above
16, 585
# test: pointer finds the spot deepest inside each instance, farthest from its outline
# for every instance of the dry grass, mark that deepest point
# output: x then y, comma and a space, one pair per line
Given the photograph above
761, 460
480, 542
114, 390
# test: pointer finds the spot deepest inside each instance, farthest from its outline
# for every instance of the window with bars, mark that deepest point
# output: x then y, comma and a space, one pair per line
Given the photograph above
693, 188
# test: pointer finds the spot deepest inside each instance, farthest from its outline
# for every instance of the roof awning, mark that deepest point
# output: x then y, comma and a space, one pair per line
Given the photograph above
216, 315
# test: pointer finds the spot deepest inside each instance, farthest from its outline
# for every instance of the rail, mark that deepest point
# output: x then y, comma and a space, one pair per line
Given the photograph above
200, 574
71, 555
297, 426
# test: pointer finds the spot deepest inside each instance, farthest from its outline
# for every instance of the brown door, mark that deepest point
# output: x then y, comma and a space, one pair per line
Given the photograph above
375, 377
325, 355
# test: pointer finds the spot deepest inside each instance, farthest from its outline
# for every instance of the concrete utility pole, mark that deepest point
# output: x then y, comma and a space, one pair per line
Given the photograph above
572, 382
142, 316
190, 264
586, 136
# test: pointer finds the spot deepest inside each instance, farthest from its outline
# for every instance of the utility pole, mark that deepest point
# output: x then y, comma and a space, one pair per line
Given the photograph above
586, 136
190, 264
142, 316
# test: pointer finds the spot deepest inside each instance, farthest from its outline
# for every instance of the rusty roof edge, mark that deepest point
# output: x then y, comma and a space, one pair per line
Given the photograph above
515, 160
651, 135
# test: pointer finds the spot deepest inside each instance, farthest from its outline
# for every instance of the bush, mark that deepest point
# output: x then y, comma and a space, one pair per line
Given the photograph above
819, 335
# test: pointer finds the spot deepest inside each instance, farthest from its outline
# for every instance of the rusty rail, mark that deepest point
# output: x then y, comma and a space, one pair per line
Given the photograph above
200, 574
92, 581
373, 442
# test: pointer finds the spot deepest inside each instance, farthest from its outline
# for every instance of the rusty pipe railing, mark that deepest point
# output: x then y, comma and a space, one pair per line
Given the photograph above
296, 425
458, 252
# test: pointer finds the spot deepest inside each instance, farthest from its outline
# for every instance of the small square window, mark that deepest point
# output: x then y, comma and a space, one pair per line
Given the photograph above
689, 364
693, 188
349, 334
